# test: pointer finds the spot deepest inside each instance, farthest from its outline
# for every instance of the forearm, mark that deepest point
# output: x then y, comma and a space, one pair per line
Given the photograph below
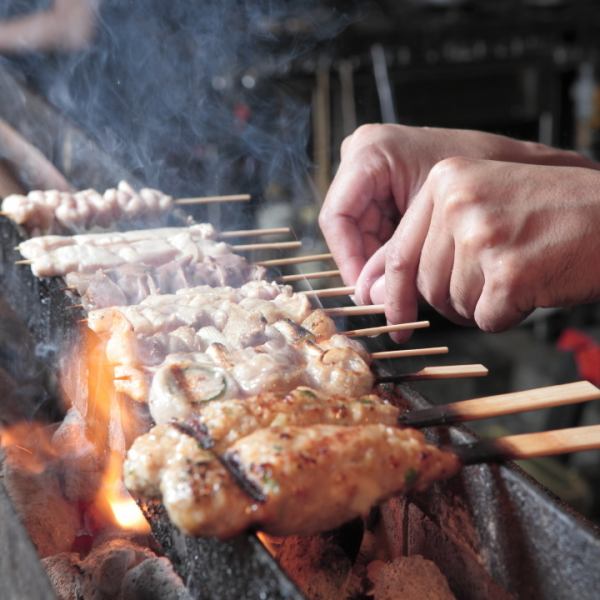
477, 144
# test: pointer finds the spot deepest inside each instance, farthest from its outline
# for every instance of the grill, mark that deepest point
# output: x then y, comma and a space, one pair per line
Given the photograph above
492, 531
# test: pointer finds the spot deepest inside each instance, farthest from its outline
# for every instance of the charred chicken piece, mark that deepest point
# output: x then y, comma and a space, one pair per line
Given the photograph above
222, 422
282, 480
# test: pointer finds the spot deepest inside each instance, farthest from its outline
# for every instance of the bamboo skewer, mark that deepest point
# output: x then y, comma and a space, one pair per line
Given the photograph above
370, 331
294, 260
213, 199
437, 372
530, 445
24, 261
355, 311
243, 233
388, 354
313, 275
502, 404
267, 246
330, 292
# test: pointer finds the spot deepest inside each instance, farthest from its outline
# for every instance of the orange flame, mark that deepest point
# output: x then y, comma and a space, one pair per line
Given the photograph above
113, 496
108, 427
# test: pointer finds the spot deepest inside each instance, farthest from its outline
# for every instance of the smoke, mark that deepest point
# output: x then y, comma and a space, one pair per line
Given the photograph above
192, 96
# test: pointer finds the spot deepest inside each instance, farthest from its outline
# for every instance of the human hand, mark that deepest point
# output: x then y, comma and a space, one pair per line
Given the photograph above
383, 167
486, 242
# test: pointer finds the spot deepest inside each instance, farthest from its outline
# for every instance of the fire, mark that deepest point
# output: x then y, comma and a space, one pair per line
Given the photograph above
270, 543
109, 425
125, 512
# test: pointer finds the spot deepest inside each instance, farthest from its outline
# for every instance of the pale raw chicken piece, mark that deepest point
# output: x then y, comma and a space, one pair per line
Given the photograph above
340, 370
87, 258
339, 340
43, 244
62, 212
136, 282
279, 365
282, 480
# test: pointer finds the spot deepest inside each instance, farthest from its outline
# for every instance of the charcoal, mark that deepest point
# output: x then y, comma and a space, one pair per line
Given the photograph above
105, 568
51, 520
65, 575
153, 579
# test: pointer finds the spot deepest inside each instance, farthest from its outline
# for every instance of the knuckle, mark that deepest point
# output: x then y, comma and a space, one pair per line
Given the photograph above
369, 130
506, 277
396, 262
482, 235
454, 167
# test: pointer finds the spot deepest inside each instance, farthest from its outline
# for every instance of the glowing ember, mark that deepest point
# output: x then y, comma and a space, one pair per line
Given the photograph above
270, 543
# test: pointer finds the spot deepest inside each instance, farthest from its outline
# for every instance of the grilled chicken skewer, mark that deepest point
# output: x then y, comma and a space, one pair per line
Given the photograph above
42, 212
52, 211
289, 358
220, 423
282, 480
62, 256
131, 284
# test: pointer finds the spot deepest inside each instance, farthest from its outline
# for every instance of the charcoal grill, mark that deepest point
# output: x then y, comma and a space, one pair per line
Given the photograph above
493, 531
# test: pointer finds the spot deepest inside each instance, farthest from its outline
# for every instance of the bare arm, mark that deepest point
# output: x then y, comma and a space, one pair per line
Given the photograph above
68, 25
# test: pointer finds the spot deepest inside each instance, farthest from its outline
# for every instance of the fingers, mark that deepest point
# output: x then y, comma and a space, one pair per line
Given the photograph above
372, 271
359, 208
403, 253
436, 264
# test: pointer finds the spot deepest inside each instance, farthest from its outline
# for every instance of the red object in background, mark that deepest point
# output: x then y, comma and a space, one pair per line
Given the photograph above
242, 113
586, 351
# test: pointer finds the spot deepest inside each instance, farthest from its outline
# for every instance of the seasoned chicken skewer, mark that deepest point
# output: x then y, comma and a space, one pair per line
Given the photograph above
220, 423
282, 480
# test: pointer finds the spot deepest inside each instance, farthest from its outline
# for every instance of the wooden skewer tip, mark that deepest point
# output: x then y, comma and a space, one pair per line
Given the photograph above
214, 199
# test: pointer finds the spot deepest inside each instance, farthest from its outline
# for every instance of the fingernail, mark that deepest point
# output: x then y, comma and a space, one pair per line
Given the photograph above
378, 291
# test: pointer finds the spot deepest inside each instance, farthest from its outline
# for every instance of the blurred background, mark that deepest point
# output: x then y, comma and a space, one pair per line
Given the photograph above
227, 96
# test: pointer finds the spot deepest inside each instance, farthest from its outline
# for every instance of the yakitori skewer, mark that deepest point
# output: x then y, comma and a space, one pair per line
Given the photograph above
530, 445
437, 372
502, 404
388, 354
295, 260
243, 233
214, 199
267, 246
356, 311
330, 292
371, 331
311, 275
